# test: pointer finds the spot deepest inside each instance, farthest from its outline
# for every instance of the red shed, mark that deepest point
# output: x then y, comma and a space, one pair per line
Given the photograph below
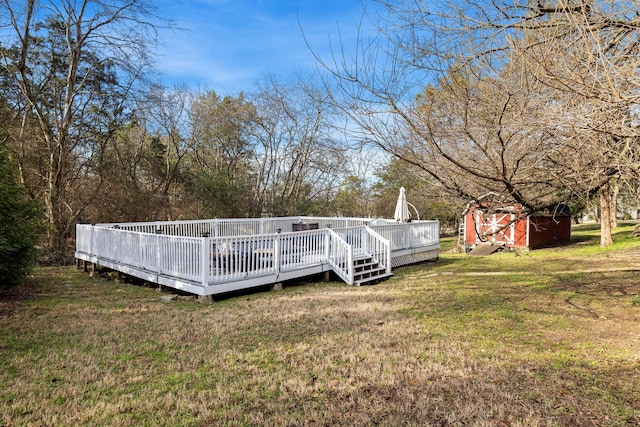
487, 220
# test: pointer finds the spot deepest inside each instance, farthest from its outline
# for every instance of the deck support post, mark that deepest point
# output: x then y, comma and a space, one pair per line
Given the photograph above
367, 244
158, 232
205, 299
276, 252
94, 270
204, 260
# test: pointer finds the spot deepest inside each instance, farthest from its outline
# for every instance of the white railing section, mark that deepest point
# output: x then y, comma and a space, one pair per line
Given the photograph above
411, 235
365, 241
354, 236
196, 228
235, 258
180, 257
232, 227
175, 256
224, 258
339, 254
379, 248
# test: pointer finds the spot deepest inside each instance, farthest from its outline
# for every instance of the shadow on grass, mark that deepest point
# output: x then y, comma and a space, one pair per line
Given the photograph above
620, 284
10, 297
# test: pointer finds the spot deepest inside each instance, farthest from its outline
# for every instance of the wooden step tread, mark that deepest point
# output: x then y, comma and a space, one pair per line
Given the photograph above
372, 271
372, 279
373, 265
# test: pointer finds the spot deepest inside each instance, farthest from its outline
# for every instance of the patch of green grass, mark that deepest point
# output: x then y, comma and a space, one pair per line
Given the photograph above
586, 239
540, 338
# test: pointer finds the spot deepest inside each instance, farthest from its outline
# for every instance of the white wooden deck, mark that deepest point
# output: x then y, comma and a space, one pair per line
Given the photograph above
216, 256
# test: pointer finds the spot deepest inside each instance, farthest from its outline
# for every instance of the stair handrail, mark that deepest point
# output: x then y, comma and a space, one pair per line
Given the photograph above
339, 255
379, 248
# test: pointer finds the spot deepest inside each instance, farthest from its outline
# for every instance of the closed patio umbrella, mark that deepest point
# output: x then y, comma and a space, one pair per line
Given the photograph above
402, 208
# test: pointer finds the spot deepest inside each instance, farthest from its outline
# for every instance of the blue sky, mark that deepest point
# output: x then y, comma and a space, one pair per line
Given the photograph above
227, 45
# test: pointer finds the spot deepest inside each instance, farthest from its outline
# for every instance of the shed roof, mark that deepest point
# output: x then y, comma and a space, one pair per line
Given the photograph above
501, 204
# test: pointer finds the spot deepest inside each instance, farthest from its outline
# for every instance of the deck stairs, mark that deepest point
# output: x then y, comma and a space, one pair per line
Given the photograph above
367, 271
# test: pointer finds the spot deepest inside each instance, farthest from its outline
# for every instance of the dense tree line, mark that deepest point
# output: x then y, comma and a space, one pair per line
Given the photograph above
189, 155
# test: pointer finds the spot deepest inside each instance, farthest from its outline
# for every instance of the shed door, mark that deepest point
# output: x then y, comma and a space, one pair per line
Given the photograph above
495, 228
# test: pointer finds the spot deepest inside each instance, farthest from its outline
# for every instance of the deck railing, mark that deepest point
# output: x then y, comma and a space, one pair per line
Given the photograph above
256, 255
224, 258
210, 252
366, 241
176, 256
231, 227
340, 256
379, 248
411, 235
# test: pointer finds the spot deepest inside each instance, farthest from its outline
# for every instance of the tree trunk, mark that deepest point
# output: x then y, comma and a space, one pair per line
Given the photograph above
605, 217
55, 203
613, 207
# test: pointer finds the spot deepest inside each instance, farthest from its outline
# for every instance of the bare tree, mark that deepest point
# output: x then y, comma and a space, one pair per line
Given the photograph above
355, 195
590, 50
127, 171
532, 100
71, 67
165, 115
298, 158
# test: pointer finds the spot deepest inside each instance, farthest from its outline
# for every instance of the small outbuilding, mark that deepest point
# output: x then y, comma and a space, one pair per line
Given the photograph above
490, 220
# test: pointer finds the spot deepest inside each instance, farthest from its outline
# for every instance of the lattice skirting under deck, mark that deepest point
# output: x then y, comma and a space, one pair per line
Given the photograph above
414, 258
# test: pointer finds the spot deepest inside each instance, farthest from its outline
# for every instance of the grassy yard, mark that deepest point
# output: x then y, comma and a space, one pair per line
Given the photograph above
547, 338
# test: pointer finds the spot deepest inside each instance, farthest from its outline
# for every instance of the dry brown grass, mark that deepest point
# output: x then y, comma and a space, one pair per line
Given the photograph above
435, 345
